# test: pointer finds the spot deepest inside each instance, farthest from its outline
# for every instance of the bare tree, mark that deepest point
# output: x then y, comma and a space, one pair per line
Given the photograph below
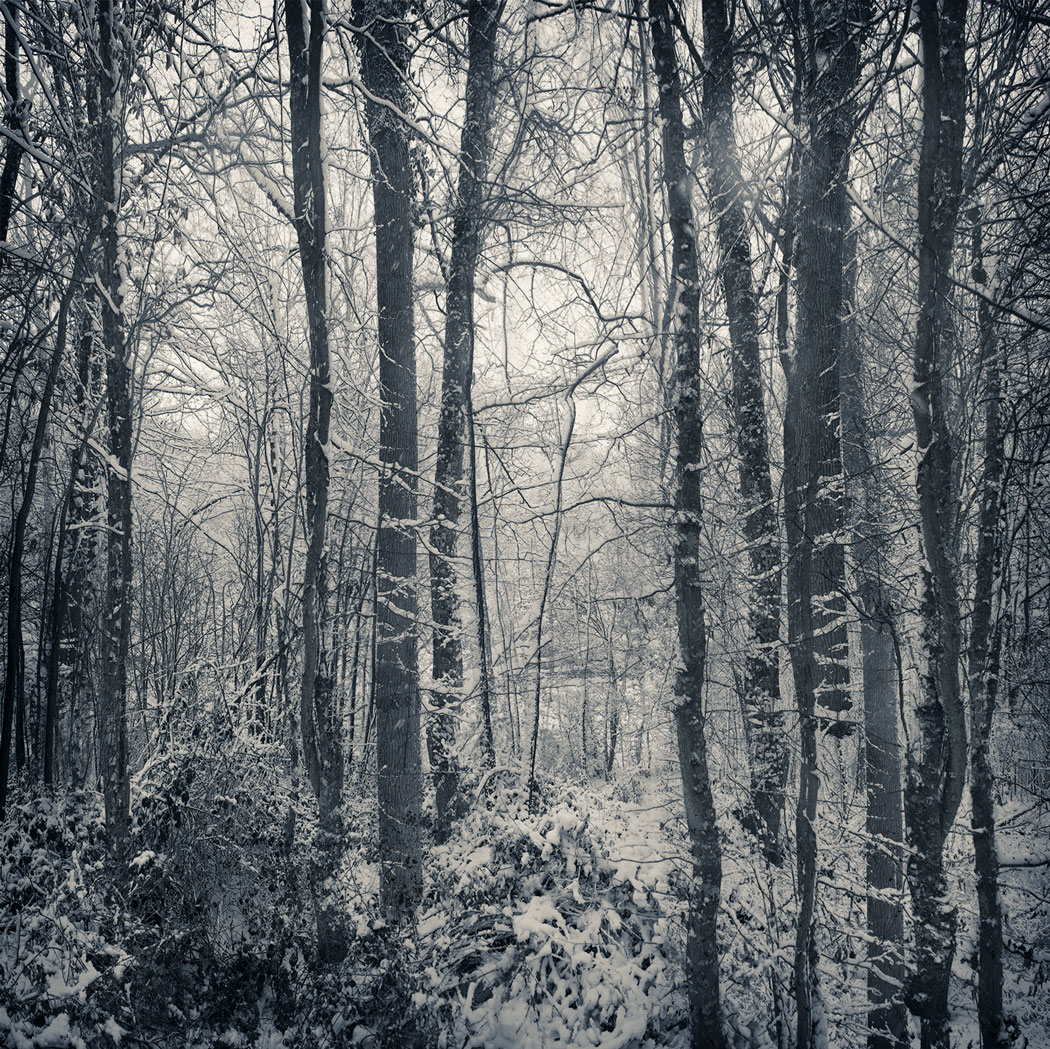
764, 722
457, 377
319, 712
871, 563
983, 660
382, 35
116, 629
829, 55
705, 1005
937, 758
13, 111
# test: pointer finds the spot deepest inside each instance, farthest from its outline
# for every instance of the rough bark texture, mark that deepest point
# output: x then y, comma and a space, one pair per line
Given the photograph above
887, 1016
14, 671
983, 660
937, 758
12, 119
817, 636
457, 376
767, 744
320, 723
116, 621
76, 670
705, 1008
384, 73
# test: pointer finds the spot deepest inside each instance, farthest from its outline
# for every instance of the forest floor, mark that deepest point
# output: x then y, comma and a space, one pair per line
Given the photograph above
560, 927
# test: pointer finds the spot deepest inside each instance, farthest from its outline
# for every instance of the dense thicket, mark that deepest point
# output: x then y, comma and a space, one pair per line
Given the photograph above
643, 403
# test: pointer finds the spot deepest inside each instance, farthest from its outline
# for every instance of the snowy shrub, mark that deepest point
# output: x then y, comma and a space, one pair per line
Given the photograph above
60, 968
543, 933
182, 936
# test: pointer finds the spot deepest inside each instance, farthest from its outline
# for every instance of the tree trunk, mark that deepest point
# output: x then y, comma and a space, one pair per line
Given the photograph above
548, 583
705, 1007
75, 650
383, 39
817, 634
457, 377
887, 1017
14, 674
12, 118
761, 681
983, 660
488, 742
116, 614
937, 761
67, 595
319, 721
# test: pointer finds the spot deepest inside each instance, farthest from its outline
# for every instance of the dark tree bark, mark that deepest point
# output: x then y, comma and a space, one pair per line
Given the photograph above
705, 1006
817, 634
767, 745
887, 1016
937, 758
320, 723
457, 377
488, 742
983, 665
57, 619
12, 118
78, 633
14, 673
116, 615
67, 594
383, 40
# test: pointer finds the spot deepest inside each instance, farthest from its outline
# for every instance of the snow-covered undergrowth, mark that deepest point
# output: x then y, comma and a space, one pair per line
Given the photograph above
556, 927
561, 926
552, 928
165, 944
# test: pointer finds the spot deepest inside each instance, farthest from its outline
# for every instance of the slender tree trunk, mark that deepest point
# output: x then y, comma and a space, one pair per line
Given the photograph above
383, 40
705, 1006
12, 119
761, 682
116, 616
548, 582
57, 619
887, 1016
457, 377
983, 660
817, 634
14, 682
488, 742
78, 634
937, 758
62, 647
319, 721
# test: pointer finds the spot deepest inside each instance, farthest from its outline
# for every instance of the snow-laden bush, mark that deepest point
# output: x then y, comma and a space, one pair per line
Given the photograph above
545, 931
182, 935
60, 964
